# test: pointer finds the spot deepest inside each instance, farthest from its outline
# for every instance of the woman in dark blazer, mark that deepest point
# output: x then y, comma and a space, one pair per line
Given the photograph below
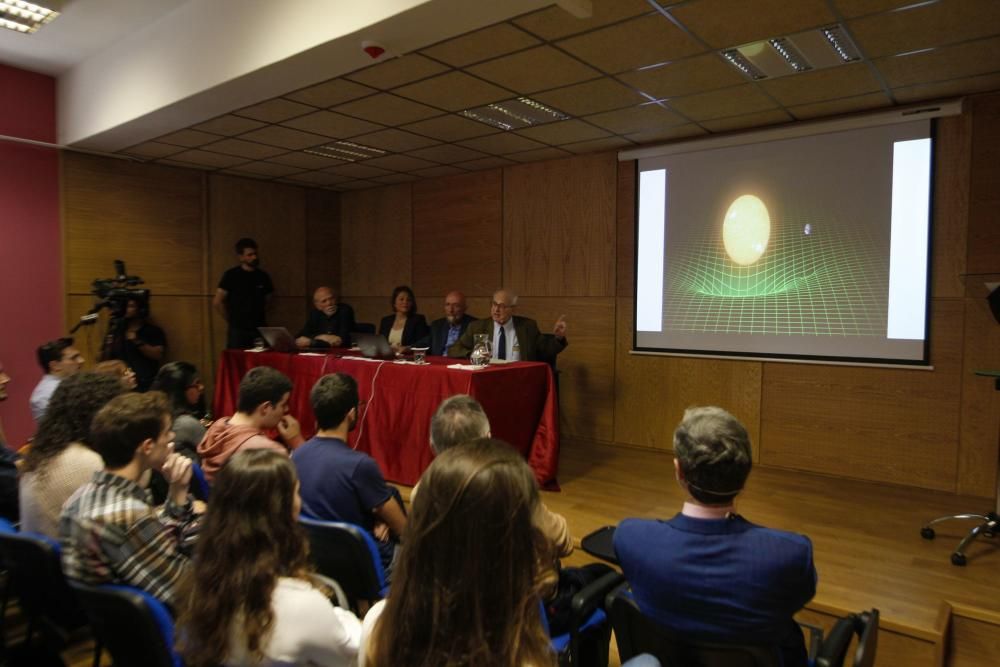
404, 327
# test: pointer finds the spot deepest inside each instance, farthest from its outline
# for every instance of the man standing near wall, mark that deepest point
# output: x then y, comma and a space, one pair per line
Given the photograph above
242, 296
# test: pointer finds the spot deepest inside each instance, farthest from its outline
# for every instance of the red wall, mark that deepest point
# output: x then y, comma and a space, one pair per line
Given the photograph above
31, 281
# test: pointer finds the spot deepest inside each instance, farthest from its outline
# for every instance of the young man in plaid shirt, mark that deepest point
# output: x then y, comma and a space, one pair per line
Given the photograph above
109, 531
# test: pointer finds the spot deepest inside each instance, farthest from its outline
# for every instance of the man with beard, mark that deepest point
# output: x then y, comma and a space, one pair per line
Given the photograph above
242, 296
339, 483
448, 329
330, 323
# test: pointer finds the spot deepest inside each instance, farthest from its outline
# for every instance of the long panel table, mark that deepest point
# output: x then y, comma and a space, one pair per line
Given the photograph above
400, 400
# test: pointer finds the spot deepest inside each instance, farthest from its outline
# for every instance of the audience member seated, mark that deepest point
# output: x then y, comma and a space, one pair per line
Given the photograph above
445, 331
262, 404
340, 483
404, 327
464, 592
180, 381
248, 599
330, 322
61, 458
514, 338
9, 460
117, 369
708, 572
109, 532
58, 359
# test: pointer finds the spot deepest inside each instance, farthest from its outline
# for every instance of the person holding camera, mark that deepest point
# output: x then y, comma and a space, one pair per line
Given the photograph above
138, 343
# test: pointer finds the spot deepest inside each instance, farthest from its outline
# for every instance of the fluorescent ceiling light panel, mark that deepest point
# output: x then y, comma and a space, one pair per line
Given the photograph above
828, 46
514, 114
346, 150
24, 17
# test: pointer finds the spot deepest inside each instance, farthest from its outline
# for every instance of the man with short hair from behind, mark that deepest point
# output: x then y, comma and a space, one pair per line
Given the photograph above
58, 359
339, 483
709, 573
109, 532
262, 405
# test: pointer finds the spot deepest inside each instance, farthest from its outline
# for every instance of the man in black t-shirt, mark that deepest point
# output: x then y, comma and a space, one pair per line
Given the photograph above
242, 296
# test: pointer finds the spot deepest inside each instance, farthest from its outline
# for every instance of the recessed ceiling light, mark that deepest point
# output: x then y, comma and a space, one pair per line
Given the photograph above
346, 150
743, 64
841, 43
514, 114
804, 51
791, 54
24, 17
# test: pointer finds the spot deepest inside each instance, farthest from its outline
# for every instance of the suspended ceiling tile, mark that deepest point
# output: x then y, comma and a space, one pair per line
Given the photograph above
399, 163
275, 111
207, 159
497, 40
436, 172
955, 87
330, 93
823, 84
485, 163
317, 178
639, 42
554, 22
356, 185
597, 145
663, 134
188, 138
229, 125
501, 144
852, 8
387, 109
454, 91
685, 77
539, 154
245, 149
758, 119
394, 140
185, 165
949, 62
245, 174
447, 154
733, 101
840, 106
591, 97
153, 149
330, 124
540, 68
358, 171
563, 132
450, 128
397, 71
636, 119
391, 179
723, 23
268, 169
305, 160
925, 26
285, 137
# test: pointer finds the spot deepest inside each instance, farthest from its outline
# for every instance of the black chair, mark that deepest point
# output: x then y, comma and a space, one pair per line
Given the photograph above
587, 642
363, 327
34, 575
988, 526
834, 648
347, 554
134, 626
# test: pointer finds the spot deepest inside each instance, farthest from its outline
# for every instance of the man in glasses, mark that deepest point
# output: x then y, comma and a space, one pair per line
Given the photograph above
58, 359
514, 338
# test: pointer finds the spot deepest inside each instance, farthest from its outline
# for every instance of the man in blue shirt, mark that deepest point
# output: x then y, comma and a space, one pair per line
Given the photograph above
709, 573
339, 483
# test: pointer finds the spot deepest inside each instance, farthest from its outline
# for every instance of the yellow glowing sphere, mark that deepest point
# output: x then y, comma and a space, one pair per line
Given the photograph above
746, 229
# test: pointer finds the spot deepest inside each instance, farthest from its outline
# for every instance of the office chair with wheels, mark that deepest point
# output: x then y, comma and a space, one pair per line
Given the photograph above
134, 626
347, 554
834, 648
989, 525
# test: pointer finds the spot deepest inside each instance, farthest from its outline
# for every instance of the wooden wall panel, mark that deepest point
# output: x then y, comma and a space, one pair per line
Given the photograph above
975, 638
625, 214
984, 204
272, 214
586, 366
376, 233
457, 240
652, 392
149, 216
322, 240
951, 205
432, 306
894, 647
559, 227
887, 425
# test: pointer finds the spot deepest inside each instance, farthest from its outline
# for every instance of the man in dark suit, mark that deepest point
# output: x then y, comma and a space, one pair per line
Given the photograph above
708, 573
448, 329
514, 338
330, 323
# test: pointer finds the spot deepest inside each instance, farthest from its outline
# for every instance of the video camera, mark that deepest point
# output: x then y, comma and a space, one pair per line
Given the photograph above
115, 293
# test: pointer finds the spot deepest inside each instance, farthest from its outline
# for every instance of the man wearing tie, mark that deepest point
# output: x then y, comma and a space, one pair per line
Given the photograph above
514, 338
448, 329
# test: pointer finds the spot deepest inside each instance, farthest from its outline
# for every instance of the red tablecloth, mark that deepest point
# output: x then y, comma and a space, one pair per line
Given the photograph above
394, 427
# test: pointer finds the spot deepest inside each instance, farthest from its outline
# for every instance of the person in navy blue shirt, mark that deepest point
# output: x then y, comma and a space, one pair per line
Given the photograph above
708, 572
339, 483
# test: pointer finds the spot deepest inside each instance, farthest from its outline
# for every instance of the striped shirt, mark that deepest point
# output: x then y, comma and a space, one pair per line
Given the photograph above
111, 535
